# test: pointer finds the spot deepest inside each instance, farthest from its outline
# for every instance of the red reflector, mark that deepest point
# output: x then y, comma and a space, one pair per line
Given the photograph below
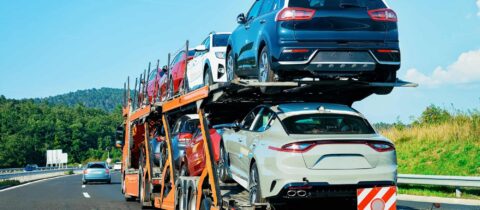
387, 51
383, 15
156, 181
296, 51
295, 13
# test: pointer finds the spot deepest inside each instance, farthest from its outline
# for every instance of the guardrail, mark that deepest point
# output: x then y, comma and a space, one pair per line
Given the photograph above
452, 181
29, 173
16, 170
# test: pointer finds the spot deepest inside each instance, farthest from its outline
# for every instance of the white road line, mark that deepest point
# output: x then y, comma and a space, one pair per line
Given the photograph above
83, 186
86, 195
33, 182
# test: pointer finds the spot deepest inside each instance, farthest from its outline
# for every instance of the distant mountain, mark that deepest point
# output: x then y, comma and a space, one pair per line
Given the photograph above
106, 99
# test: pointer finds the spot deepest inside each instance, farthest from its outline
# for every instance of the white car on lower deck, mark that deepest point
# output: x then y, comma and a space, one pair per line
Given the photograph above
303, 151
208, 64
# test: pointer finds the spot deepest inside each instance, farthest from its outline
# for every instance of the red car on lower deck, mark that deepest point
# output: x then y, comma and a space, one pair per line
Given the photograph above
195, 152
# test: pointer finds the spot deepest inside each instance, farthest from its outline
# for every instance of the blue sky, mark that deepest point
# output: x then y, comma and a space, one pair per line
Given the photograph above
53, 47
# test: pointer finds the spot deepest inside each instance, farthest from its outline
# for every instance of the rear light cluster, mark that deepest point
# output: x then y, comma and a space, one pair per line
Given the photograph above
295, 13
85, 171
107, 171
298, 13
296, 51
383, 15
184, 137
302, 147
387, 51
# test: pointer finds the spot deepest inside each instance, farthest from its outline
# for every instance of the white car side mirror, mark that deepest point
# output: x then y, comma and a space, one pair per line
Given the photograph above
200, 48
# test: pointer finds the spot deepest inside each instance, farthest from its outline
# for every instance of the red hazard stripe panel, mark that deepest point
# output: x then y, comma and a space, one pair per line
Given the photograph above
378, 198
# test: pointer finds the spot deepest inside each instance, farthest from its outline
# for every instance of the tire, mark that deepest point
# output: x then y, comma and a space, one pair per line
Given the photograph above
84, 182
223, 170
184, 170
181, 205
255, 193
231, 66
206, 204
143, 191
192, 201
109, 181
385, 76
207, 77
265, 72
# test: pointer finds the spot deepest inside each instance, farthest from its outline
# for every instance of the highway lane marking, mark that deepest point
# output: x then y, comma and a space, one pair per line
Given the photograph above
33, 182
83, 186
86, 195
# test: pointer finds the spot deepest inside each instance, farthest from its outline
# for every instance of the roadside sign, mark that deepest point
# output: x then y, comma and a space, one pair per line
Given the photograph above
109, 160
378, 198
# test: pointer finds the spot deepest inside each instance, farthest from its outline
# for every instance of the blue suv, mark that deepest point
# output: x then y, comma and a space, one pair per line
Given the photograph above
285, 40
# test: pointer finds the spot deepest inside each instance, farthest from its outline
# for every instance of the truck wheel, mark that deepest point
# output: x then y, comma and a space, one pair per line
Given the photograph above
143, 188
255, 193
265, 72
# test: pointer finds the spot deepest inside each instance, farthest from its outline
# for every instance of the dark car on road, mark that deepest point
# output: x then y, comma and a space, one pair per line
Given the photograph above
31, 167
284, 40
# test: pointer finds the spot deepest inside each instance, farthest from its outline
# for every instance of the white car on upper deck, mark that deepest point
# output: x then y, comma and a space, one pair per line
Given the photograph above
208, 64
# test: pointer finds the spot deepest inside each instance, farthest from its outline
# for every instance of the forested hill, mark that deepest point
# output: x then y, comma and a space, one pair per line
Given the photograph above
106, 99
28, 128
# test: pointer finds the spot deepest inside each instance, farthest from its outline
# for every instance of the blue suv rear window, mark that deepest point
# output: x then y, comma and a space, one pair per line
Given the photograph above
336, 4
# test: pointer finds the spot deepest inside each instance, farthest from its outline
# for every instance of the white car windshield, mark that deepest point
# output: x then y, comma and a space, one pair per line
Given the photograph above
327, 124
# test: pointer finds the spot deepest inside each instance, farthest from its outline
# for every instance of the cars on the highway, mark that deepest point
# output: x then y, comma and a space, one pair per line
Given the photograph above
31, 167
96, 172
177, 72
194, 161
208, 64
306, 151
283, 40
117, 166
182, 133
156, 83
158, 147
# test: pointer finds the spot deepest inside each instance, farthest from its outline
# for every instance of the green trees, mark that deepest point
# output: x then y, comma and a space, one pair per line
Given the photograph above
29, 127
106, 99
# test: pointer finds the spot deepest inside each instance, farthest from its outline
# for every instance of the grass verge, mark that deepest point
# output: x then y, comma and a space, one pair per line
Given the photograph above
7, 183
438, 191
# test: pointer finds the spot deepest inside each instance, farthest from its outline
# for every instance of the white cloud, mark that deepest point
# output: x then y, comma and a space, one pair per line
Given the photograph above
463, 71
478, 5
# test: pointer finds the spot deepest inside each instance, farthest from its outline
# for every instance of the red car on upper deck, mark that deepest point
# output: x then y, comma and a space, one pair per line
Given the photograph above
156, 83
177, 72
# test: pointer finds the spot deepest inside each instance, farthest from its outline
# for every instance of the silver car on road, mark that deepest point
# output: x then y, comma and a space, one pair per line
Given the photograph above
305, 151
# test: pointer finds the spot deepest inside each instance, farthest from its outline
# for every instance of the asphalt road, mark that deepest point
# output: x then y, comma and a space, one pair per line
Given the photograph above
68, 193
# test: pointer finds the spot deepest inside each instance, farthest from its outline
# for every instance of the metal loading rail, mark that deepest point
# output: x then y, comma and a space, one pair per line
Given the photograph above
224, 103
